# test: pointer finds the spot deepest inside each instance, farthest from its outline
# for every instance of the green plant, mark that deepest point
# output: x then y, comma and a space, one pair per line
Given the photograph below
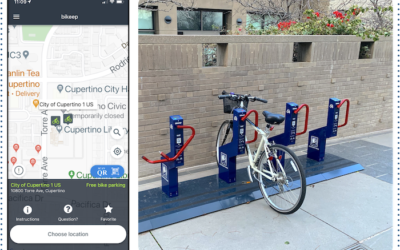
365, 52
236, 31
215, 27
347, 23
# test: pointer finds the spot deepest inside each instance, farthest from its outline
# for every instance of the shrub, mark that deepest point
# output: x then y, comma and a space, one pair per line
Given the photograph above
347, 23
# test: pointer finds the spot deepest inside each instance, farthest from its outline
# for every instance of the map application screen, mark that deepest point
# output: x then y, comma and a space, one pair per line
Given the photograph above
68, 124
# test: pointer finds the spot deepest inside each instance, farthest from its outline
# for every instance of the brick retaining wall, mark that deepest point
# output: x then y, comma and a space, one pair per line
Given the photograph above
172, 81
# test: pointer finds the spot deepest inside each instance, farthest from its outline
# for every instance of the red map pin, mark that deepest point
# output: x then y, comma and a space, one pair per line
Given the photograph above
32, 161
16, 147
13, 160
38, 148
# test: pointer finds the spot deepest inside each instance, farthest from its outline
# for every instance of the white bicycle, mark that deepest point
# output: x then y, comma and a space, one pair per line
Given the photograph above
277, 169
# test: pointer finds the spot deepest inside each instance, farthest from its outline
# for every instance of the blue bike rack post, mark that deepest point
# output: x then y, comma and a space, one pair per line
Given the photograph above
317, 138
288, 137
174, 159
228, 152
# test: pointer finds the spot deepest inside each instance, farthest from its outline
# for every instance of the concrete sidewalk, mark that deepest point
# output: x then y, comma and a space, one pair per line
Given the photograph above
336, 214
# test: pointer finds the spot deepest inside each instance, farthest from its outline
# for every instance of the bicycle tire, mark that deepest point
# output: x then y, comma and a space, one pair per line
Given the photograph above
290, 174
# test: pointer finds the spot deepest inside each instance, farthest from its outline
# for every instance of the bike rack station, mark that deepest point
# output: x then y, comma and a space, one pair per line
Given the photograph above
174, 159
230, 187
288, 137
228, 152
317, 138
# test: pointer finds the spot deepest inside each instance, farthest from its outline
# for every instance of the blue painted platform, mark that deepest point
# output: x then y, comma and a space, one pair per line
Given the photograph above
209, 194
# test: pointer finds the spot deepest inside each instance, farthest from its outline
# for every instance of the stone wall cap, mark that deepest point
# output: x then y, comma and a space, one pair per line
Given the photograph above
196, 39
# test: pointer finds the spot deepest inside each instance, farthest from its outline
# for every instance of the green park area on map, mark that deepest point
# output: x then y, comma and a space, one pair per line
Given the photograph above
35, 32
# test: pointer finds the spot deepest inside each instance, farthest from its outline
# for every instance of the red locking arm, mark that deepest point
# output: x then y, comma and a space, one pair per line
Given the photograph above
168, 159
347, 111
256, 123
306, 122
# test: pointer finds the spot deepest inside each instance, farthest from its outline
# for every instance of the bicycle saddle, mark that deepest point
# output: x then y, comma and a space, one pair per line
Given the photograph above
272, 118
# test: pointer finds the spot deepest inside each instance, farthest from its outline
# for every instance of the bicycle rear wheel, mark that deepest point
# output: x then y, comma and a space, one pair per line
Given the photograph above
285, 194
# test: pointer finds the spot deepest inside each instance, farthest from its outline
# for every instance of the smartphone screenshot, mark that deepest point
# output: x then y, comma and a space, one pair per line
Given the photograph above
68, 124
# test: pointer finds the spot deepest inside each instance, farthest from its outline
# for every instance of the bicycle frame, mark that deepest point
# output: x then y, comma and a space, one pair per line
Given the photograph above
263, 145
270, 175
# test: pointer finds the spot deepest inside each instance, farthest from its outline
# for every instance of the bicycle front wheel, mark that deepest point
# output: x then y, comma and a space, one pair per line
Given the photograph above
285, 194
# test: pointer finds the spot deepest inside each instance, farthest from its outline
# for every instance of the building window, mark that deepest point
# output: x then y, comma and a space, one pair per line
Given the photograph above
146, 22
259, 22
189, 20
200, 20
212, 20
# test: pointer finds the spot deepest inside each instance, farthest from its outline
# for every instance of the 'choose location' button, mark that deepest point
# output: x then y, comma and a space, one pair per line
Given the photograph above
68, 234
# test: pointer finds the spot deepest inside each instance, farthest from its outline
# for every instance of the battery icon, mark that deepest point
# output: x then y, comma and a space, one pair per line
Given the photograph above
120, 1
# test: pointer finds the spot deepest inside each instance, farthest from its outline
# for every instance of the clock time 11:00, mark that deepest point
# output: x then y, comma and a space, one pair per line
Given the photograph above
22, 1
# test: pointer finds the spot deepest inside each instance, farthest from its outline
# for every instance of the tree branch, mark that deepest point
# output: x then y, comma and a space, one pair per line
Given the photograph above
185, 4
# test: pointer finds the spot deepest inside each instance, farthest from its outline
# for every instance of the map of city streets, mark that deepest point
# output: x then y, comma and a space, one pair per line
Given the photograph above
67, 100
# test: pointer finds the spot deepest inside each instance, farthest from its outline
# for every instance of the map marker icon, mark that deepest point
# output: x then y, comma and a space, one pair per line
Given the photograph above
71, 174
32, 161
36, 102
60, 88
16, 147
59, 128
25, 54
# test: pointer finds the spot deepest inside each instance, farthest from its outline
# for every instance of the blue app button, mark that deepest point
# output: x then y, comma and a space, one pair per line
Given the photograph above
107, 171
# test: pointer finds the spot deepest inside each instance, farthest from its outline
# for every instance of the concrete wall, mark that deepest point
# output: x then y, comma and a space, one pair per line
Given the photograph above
172, 81
160, 26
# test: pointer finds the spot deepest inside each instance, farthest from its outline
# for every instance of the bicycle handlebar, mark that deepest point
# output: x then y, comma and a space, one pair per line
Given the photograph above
241, 97
260, 100
223, 96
